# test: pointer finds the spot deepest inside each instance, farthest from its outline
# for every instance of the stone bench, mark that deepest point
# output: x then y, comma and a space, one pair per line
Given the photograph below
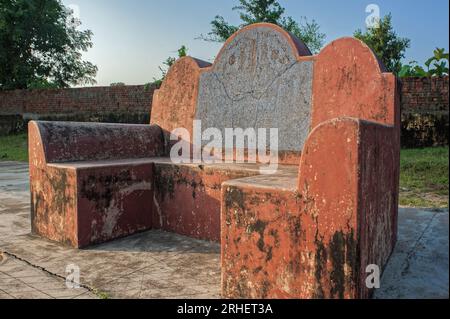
307, 231
90, 182
89, 185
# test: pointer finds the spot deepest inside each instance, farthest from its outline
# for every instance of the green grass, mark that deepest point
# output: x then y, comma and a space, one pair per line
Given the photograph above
100, 294
424, 177
14, 148
423, 172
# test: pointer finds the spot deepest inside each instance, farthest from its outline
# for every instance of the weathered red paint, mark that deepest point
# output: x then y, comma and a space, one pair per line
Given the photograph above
350, 81
340, 219
347, 195
175, 102
113, 201
187, 197
308, 231
78, 197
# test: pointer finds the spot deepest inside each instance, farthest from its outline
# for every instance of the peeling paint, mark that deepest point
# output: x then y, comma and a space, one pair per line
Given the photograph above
306, 232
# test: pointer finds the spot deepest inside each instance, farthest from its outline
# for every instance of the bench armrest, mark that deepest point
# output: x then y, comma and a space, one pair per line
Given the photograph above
58, 142
349, 184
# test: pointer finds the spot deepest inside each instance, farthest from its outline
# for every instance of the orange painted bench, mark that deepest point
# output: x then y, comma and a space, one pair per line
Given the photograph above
307, 231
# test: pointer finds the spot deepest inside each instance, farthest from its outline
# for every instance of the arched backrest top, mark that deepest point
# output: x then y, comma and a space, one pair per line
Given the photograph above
297, 46
350, 81
264, 77
254, 57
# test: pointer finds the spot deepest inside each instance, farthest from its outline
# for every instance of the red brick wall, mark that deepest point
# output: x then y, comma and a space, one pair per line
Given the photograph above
425, 95
123, 104
122, 99
425, 111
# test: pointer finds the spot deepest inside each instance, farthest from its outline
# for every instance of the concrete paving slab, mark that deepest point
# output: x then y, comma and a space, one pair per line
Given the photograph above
419, 266
156, 264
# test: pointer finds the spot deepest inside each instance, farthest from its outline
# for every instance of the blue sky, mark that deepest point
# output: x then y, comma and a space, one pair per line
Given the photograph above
132, 37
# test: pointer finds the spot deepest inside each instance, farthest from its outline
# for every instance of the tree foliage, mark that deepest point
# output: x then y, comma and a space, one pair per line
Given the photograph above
41, 46
270, 11
437, 65
387, 45
181, 52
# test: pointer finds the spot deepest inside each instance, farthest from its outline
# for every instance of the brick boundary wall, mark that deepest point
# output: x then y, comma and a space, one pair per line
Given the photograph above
425, 111
115, 104
425, 108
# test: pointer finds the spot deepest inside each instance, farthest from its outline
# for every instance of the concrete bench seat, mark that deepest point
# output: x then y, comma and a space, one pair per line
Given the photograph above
307, 231
103, 163
93, 199
286, 179
250, 168
187, 197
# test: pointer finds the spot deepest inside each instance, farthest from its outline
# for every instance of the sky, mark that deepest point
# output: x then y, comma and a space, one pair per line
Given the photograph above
131, 38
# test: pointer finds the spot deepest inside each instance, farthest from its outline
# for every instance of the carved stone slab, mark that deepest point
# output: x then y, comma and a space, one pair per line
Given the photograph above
256, 82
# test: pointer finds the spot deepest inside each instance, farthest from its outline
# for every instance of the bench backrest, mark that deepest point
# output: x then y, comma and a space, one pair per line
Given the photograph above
266, 78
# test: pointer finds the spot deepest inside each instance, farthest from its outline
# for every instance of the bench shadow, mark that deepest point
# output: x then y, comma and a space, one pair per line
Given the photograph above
157, 241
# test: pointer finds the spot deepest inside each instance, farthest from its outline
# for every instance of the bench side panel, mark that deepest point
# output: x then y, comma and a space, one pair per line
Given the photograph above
53, 195
187, 198
113, 202
349, 184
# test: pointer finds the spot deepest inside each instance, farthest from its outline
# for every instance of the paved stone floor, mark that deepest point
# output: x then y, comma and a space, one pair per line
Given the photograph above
156, 264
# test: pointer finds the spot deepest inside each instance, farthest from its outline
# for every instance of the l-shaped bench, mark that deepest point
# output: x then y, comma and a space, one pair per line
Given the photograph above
307, 231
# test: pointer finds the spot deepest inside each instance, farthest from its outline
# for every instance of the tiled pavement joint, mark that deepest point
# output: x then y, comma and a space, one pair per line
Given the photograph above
95, 291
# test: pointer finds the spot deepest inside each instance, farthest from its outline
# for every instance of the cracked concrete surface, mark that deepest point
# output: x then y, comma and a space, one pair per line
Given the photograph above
419, 265
153, 264
156, 264
21, 280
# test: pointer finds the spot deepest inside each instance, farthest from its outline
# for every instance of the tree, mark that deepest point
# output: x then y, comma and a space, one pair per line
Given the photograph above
254, 11
41, 46
437, 65
383, 40
181, 52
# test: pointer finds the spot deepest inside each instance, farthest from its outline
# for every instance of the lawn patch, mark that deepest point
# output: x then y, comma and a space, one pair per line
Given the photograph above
14, 148
424, 177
